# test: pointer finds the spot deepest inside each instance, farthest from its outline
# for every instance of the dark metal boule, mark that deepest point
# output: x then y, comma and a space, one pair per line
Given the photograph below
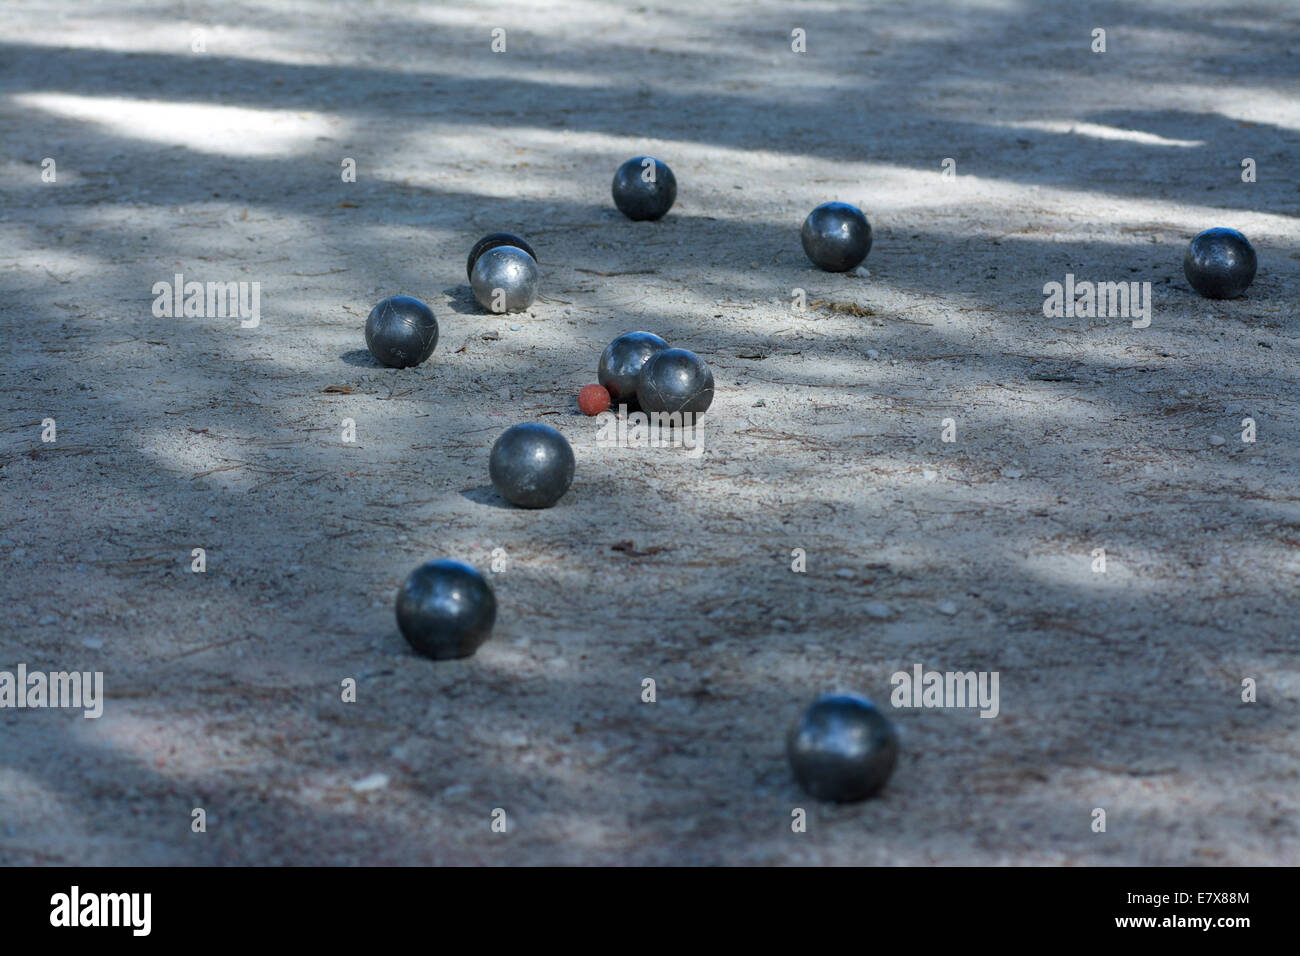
620, 364
675, 380
446, 609
401, 331
842, 748
644, 188
1220, 263
836, 236
531, 465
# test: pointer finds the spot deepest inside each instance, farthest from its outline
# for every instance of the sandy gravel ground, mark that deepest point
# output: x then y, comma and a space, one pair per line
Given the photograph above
1119, 690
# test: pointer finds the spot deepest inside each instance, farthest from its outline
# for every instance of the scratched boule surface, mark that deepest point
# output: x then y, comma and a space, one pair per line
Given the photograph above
1118, 690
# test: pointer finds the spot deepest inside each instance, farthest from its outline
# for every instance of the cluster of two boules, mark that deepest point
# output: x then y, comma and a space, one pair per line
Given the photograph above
503, 273
639, 370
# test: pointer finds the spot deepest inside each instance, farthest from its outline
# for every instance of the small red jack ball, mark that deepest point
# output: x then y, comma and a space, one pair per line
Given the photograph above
593, 399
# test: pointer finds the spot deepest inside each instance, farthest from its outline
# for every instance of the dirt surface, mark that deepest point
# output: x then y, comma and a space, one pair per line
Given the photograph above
1119, 690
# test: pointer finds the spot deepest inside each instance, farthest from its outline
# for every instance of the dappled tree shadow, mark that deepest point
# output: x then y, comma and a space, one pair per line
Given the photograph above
223, 688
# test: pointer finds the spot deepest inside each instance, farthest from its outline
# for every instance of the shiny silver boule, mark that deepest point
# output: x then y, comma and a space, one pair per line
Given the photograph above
675, 380
491, 242
1220, 263
620, 364
842, 749
401, 332
446, 609
508, 269
531, 465
836, 237
644, 188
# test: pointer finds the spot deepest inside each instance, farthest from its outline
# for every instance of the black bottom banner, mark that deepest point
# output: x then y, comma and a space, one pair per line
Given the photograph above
334, 906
